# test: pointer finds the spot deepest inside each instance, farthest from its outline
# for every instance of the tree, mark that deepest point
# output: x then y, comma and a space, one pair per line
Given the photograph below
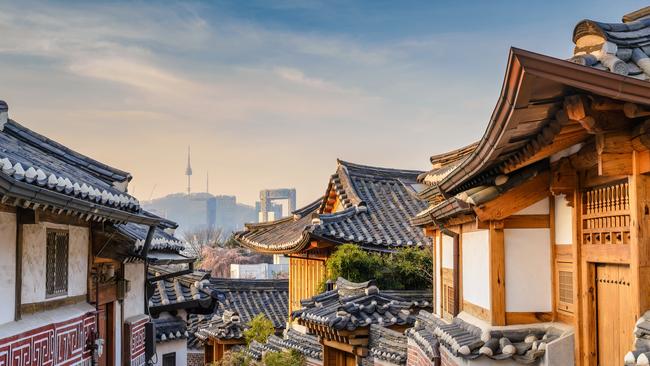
407, 268
259, 329
236, 357
285, 358
202, 237
217, 260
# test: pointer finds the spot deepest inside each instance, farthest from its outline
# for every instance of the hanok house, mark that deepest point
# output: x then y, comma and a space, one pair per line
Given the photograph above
364, 205
63, 303
176, 295
544, 223
239, 302
293, 340
342, 318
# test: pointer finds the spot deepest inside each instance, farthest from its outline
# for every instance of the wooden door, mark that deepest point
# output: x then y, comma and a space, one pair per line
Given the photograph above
615, 316
335, 357
102, 319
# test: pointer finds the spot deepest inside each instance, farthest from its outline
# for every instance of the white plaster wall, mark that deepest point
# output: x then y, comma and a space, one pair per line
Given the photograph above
563, 221
7, 266
178, 346
476, 268
539, 208
134, 300
447, 252
528, 270
34, 257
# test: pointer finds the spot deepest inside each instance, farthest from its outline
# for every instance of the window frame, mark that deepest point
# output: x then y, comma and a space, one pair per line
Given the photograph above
58, 290
170, 355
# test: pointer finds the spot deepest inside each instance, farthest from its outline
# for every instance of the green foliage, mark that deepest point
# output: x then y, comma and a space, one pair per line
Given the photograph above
236, 358
286, 358
259, 329
407, 268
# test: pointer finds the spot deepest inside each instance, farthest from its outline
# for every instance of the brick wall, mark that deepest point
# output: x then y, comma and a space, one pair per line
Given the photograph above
447, 359
416, 357
195, 358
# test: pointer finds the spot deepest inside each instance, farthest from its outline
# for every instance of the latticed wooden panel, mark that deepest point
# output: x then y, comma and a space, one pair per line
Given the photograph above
56, 283
606, 215
565, 287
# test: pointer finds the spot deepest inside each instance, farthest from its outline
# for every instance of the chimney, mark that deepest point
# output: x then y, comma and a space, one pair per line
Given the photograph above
4, 114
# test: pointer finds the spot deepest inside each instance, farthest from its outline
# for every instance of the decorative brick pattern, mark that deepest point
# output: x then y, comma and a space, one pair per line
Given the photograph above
447, 359
137, 340
195, 358
55, 344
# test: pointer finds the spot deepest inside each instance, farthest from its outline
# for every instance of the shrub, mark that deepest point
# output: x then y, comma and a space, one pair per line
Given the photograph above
408, 268
286, 358
236, 358
259, 329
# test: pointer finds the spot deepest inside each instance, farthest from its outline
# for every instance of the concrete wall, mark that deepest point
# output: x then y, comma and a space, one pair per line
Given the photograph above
563, 221
34, 261
178, 346
476, 268
134, 300
528, 270
7, 266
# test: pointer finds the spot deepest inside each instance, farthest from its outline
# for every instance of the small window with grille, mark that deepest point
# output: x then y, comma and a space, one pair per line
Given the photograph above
565, 287
169, 359
56, 283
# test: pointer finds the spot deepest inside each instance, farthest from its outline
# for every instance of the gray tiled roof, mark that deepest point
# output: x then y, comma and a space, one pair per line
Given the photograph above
169, 329
189, 291
388, 345
240, 301
622, 48
468, 341
377, 204
306, 344
353, 305
28, 157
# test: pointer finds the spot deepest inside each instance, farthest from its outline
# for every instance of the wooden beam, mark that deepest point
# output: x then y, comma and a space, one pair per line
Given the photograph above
515, 318
497, 274
560, 142
515, 199
614, 153
527, 222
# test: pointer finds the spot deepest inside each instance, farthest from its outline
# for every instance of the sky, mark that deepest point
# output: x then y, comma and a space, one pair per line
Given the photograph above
269, 93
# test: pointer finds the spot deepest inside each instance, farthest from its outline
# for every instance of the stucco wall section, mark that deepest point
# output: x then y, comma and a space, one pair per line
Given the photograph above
538, 208
134, 301
563, 221
476, 268
177, 346
447, 252
34, 261
528, 270
7, 266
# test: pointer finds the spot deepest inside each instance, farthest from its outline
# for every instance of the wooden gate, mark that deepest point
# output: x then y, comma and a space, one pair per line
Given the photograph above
335, 357
615, 316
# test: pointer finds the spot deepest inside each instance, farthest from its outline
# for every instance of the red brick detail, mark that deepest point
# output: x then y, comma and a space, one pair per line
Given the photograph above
447, 359
416, 357
57, 344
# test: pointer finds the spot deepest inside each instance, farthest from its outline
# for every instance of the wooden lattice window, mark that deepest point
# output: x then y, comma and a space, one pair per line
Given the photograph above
447, 293
56, 282
565, 287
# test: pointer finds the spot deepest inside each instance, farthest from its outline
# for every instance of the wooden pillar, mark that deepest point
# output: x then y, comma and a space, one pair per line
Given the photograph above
639, 238
497, 274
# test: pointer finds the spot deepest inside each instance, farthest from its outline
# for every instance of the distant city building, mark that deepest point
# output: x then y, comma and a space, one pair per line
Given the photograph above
260, 271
